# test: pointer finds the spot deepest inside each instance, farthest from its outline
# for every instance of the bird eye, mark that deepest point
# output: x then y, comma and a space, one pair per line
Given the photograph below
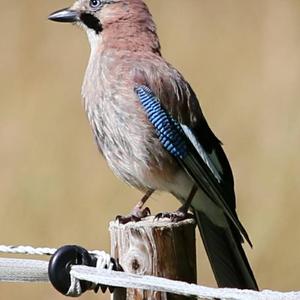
95, 3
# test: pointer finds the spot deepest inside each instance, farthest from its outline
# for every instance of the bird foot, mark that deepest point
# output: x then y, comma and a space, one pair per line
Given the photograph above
136, 215
175, 216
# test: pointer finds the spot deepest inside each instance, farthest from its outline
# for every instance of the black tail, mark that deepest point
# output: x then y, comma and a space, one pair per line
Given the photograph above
226, 255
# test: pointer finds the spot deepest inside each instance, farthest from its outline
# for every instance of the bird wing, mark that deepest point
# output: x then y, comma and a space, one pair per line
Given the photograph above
181, 136
179, 100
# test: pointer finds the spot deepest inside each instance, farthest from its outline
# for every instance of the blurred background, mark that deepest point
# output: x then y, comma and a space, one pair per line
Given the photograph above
242, 59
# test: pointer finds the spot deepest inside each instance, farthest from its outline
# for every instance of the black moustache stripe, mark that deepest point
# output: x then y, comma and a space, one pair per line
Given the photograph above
91, 22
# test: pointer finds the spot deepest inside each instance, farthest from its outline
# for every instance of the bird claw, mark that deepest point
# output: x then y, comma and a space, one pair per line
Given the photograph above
136, 216
175, 216
127, 219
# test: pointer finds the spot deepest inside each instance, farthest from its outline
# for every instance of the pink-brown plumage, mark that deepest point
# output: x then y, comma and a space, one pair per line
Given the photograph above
128, 25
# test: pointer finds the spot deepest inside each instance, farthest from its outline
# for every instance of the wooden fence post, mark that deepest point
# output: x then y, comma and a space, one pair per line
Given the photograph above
159, 248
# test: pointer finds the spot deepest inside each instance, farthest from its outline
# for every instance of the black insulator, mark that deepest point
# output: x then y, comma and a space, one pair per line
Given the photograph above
60, 266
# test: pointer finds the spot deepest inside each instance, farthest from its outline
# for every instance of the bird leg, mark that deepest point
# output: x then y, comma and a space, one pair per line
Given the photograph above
182, 212
138, 211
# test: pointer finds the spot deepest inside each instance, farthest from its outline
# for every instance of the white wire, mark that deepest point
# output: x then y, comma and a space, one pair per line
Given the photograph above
25, 270
128, 280
28, 270
75, 287
35, 251
26, 250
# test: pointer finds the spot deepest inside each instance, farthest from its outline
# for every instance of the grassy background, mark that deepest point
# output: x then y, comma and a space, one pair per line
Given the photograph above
241, 57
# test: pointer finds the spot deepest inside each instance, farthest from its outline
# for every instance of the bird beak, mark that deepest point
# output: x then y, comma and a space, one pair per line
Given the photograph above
65, 15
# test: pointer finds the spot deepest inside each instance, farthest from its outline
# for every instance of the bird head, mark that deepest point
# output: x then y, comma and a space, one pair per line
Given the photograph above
118, 22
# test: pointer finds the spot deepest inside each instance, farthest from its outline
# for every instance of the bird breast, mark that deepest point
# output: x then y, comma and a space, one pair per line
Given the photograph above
122, 131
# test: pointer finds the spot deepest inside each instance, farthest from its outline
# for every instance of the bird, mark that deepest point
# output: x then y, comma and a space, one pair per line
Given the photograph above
150, 128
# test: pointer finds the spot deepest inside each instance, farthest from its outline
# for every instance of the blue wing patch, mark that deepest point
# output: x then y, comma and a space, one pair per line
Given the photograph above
178, 140
175, 137
169, 131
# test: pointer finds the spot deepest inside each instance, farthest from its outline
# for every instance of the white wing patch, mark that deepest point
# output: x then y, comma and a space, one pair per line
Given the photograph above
211, 160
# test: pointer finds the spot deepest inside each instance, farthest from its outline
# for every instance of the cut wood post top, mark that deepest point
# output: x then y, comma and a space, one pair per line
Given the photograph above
151, 222
155, 247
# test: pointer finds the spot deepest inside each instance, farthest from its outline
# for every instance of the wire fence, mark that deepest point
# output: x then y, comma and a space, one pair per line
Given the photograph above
31, 270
